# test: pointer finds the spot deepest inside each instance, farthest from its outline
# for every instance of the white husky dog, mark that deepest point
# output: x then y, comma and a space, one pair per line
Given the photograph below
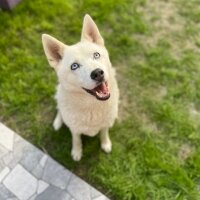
87, 93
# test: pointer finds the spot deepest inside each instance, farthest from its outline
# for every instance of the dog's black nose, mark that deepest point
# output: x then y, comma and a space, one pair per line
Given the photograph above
97, 75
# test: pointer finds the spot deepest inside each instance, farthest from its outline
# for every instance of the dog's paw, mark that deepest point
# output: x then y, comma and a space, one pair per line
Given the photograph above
57, 123
107, 147
76, 155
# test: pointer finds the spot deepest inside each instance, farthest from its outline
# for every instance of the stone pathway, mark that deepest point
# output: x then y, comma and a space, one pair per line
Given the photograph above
26, 173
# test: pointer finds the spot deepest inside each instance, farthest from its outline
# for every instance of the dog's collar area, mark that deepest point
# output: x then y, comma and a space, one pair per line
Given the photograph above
101, 92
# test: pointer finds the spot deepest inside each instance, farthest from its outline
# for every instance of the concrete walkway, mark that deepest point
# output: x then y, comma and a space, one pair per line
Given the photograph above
26, 173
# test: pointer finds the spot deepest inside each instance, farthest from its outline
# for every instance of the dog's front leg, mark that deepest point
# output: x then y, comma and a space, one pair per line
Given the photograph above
76, 147
57, 121
106, 144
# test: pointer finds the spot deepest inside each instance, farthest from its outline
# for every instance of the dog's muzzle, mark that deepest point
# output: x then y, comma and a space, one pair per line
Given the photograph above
101, 92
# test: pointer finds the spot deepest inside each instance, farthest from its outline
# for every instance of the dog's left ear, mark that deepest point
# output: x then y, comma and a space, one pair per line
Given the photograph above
90, 31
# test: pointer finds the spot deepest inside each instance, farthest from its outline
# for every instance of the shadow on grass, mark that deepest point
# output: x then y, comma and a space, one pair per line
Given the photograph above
58, 144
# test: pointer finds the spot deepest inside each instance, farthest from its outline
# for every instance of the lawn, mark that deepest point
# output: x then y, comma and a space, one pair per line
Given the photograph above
155, 47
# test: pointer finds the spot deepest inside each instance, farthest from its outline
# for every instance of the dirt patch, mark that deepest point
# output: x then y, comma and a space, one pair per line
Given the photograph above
128, 106
123, 96
185, 152
148, 124
163, 17
123, 107
194, 113
167, 24
160, 93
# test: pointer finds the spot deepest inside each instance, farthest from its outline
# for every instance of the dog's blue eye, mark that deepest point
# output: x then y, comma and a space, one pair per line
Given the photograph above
96, 55
74, 66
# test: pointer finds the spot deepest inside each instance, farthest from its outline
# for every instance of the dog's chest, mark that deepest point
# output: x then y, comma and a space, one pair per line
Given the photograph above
85, 118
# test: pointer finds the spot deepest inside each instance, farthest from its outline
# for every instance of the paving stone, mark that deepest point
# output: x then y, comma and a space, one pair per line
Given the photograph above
102, 197
79, 189
7, 158
4, 173
56, 174
43, 160
2, 165
33, 197
5, 193
6, 137
42, 186
18, 138
3, 151
20, 144
31, 157
26, 173
12, 160
38, 171
21, 183
94, 193
54, 193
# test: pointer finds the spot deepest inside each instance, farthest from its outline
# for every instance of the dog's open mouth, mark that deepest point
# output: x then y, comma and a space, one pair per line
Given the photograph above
101, 92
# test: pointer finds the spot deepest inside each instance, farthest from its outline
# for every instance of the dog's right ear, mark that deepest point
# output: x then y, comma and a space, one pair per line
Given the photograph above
53, 49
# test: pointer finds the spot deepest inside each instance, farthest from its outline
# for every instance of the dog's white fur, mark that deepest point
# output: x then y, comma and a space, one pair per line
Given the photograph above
80, 111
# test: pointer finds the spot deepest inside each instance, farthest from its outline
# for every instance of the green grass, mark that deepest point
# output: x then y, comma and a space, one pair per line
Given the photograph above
155, 48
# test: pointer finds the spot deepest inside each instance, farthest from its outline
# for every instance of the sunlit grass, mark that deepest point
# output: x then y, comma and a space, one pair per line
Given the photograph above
156, 141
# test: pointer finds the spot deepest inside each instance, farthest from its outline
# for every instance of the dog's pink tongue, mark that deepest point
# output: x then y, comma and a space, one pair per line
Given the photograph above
104, 88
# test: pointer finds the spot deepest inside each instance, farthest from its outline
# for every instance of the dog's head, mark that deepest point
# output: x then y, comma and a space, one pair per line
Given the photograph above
83, 67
